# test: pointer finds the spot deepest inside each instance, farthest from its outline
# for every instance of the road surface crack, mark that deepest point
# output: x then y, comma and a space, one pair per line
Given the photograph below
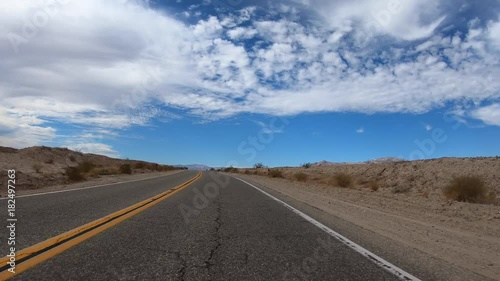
217, 239
182, 271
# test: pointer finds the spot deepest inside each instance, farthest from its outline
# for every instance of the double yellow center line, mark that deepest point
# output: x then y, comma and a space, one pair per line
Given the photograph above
42, 251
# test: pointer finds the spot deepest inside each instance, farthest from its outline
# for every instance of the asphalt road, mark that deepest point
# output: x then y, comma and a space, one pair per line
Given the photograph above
217, 228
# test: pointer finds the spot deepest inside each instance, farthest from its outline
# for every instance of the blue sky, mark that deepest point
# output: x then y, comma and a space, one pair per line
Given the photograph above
232, 82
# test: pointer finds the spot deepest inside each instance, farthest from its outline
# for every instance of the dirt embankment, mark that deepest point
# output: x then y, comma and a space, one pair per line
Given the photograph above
408, 206
41, 167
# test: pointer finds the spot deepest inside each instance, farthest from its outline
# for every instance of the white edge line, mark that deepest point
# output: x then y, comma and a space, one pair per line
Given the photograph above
82, 188
398, 272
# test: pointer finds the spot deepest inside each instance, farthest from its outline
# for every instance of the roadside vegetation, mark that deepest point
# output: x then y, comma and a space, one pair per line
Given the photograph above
342, 180
301, 177
402, 178
469, 189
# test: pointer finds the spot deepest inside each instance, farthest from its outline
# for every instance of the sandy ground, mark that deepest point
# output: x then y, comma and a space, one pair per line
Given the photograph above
102, 180
463, 234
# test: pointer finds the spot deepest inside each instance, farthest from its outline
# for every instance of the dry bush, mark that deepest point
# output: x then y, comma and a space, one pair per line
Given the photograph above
125, 169
139, 165
230, 170
466, 189
301, 177
86, 166
247, 172
73, 174
104, 172
342, 180
401, 189
49, 161
72, 158
37, 168
276, 174
373, 185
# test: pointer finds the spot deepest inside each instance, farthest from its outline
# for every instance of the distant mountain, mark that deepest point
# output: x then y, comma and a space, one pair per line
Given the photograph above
322, 163
196, 167
385, 160
325, 163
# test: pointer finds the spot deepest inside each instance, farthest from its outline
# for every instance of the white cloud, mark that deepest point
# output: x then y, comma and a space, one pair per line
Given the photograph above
95, 148
428, 127
92, 65
360, 130
488, 114
408, 20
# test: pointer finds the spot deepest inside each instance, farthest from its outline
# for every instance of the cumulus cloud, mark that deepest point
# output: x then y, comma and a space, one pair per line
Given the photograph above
488, 114
101, 63
95, 148
360, 130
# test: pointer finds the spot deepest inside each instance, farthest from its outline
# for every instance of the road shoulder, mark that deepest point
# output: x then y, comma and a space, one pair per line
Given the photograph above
413, 241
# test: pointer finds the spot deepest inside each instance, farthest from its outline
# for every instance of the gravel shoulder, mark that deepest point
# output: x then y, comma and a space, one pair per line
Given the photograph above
465, 236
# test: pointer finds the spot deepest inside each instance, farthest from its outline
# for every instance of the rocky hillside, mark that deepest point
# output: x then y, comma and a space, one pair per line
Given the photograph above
40, 166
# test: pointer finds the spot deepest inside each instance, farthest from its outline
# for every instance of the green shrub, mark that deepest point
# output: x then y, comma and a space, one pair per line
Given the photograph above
466, 189
258, 166
306, 165
301, 176
73, 174
275, 174
343, 180
126, 169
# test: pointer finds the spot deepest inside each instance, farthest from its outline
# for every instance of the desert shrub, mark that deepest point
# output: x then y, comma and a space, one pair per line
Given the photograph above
258, 166
139, 165
49, 161
247, 172
275, 173
373, 185
86, 166
105, 172
306, 165
300, 176
37, 167
152, 167
125, 169
401, 189
466, 189
343, 179
73, 174
230, 169
72, 158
